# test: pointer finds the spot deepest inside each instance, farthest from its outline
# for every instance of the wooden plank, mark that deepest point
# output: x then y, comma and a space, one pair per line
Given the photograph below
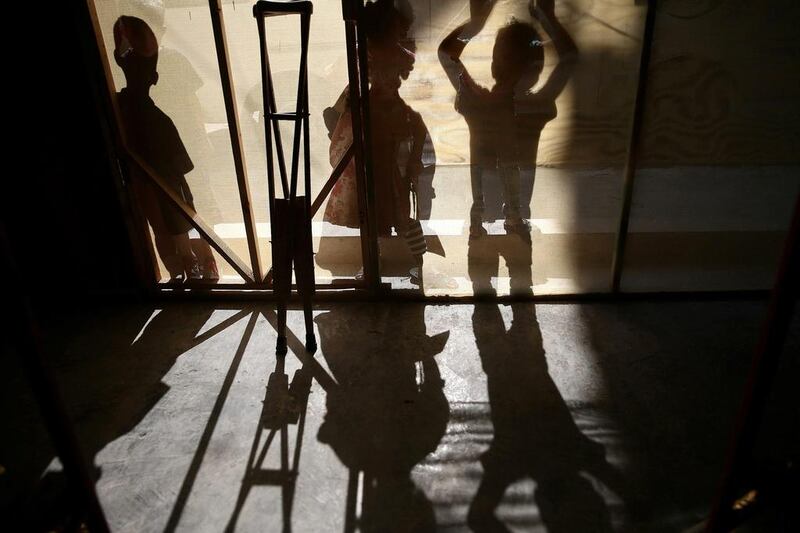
633, 148
335, 175
359, 112
220, 42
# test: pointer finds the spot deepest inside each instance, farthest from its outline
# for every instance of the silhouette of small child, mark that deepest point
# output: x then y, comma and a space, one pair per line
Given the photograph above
152, 135
505, 122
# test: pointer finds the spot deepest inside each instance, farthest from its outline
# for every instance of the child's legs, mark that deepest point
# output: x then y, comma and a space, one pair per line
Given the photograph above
184, 246
165, 245
511, 186
478, 205
402, 227
527, 177
203, 251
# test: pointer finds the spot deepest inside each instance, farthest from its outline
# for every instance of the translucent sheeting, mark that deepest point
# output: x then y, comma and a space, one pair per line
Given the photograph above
719, 164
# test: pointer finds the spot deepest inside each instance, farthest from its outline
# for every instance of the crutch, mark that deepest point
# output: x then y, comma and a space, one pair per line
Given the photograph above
290, 215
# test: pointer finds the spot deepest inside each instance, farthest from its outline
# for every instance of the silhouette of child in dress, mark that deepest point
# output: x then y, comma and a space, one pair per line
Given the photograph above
398, 133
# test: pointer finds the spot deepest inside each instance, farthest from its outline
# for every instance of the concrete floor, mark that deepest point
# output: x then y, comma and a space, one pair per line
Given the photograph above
562, 417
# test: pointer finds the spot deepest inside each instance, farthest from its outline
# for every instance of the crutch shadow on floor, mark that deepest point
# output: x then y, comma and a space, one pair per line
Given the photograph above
284, 405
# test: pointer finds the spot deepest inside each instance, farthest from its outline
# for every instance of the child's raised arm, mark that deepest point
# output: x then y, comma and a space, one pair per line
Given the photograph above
453, 45
567, 52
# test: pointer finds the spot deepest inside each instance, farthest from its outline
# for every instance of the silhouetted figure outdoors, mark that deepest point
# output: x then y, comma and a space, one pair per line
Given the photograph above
506, 121
152, 135
398, 132
535, 435
388, 413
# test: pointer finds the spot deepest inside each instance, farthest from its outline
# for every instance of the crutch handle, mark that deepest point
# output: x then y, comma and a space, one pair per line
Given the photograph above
271, 8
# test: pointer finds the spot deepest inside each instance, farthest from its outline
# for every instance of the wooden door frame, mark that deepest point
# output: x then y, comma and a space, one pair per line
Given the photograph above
256, 278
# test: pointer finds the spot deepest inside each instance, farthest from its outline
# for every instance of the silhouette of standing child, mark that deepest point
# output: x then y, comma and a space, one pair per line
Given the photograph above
398, 132
506, 121
152, 135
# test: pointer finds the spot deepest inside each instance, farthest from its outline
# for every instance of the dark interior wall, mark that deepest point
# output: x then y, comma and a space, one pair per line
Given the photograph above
64, 218
60, 210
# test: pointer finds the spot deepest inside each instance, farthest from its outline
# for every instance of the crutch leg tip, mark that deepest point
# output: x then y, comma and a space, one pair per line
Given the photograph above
311, 343
281, 348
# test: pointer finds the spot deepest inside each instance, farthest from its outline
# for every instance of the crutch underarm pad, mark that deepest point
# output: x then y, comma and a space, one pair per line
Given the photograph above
270, 8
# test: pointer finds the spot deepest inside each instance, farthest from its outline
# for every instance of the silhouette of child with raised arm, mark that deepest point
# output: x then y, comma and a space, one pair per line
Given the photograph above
505, 122
152, 135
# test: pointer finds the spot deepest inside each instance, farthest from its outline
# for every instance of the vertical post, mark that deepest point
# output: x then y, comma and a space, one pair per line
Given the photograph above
220, 42
759, 383
359, 108
633, 148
